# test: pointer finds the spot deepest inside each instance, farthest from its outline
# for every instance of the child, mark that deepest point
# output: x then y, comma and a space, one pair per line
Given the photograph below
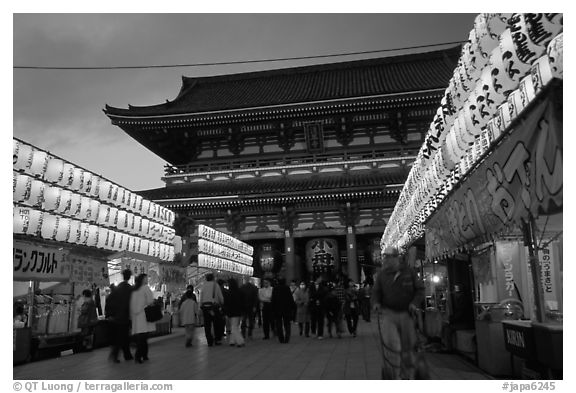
188, 314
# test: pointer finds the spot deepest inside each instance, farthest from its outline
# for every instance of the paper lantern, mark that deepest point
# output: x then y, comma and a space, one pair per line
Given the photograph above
63, 230
503, 118
492, 131
94, 212
95, 186
74, 236
497, 23
86, 183
39, 163
67, 175
542, 28
485, 87
130, 222
103, 214
144, 231
24, 158
77, 179
65, 202
104, 190
113, 195
49, 226
472, 115
84, 208
555, 53
516, 61
471, 58
84, 233
36, 194
112, 219
21, 185
145, 207
144, 247
448, 109
75, 204
527, 94
514, 104
502, 83
465, 129
51, 198
541, 73
27, 221
103, 237
93, 234
54, 170
122, 219
486, 42
137, 222
15, 149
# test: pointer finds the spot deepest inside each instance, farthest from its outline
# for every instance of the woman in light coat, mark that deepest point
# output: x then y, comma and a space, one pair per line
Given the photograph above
141, 297
188, 316
302, 297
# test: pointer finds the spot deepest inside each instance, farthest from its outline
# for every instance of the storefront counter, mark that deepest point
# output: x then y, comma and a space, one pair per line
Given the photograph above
490, 340
549, 339
433, 323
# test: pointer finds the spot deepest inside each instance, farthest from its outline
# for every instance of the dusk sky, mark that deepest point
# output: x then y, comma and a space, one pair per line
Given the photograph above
61, 110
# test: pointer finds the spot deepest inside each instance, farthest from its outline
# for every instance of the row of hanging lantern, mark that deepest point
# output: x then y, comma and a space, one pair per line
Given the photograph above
41, 166
54, 199
505, 63
29, 221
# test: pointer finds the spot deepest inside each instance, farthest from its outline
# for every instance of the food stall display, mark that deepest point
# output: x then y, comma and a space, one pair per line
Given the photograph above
67, 223
487, 184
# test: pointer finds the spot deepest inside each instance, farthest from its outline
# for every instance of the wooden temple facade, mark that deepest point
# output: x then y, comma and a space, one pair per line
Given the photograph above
305, 164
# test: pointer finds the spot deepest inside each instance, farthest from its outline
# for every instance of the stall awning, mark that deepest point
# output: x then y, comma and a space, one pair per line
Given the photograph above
133, 255
521, 176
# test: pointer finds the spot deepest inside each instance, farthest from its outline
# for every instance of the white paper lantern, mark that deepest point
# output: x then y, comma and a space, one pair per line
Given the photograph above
51, 198
93, 235
75, 204
86, 182
542, 28
145, 247
24, 158
113, 196
67, 175
541, 73
486, 42
84, 233
77, 179
103, 214
503, 119
15, 149
54, 170
501, 81
485, 87
20, 219
492, 131
497, 23
103, 238
63, 231
145, 227
130, 222
94, 212
84, 208
145, 207
137, 223
21, 185
471, 58
65, 202
122, 219
95, 186
516, 62
39, 163
465, 130
74, 232
514, 104
105, 190
49, 226
555, 53
112, 218
526, 89
36, 195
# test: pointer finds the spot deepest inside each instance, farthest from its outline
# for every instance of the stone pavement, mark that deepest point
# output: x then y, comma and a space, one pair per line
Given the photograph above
303, 358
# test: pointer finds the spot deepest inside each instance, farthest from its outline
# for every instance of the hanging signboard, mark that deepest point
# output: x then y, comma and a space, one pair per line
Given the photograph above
90, 270
212, 262
208, 247
37, 263
508, 256
522, 176
205, 232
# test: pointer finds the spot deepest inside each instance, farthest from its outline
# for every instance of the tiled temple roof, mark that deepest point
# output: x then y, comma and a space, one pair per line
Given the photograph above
344, 80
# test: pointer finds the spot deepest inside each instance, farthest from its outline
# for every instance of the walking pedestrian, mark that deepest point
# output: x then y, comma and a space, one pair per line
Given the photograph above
283, 307
117, 312
211, 300
365, 302
188, 315
250, 307
265, 296
318, 292
293, 289
302, 298
351, 307
332, 307
141, 297
397, 292
87, 320
233, 305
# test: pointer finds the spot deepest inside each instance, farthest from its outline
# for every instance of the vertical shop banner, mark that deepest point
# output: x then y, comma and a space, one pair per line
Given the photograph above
37, 263
508, 273
137, 267
548, 262
522, 176
88, 270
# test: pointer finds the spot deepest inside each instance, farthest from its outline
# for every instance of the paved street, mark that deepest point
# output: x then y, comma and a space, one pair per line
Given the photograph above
302, 359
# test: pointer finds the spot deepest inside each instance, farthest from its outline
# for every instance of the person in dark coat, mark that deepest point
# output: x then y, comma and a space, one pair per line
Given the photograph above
318, 292
250, 306
118, 316
283, 306
351, 307
87, 319
234, 306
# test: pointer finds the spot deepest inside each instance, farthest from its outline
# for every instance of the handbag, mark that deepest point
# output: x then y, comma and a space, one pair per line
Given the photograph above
211, 307
153, 312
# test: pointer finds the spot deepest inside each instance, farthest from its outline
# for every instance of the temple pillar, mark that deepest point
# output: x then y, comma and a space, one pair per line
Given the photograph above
351, 253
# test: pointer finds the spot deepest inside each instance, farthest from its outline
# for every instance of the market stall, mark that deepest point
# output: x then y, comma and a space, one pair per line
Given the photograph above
67, 222
487, 188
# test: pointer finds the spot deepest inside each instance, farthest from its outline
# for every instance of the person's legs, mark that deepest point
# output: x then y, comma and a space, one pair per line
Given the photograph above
287, 327
235, 331
320, 324
354, 322
266, 311
408, 341
279, 328
145, 346
307, 329
208, 323
115, 341
124, 340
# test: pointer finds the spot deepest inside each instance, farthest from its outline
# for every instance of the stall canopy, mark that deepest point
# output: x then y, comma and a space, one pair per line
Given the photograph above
521, 177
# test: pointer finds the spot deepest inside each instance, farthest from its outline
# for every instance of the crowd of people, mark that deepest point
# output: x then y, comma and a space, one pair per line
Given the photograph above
231, 309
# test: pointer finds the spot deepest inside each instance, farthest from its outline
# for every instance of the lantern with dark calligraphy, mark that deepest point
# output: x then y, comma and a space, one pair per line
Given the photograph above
322, 255
268, 258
